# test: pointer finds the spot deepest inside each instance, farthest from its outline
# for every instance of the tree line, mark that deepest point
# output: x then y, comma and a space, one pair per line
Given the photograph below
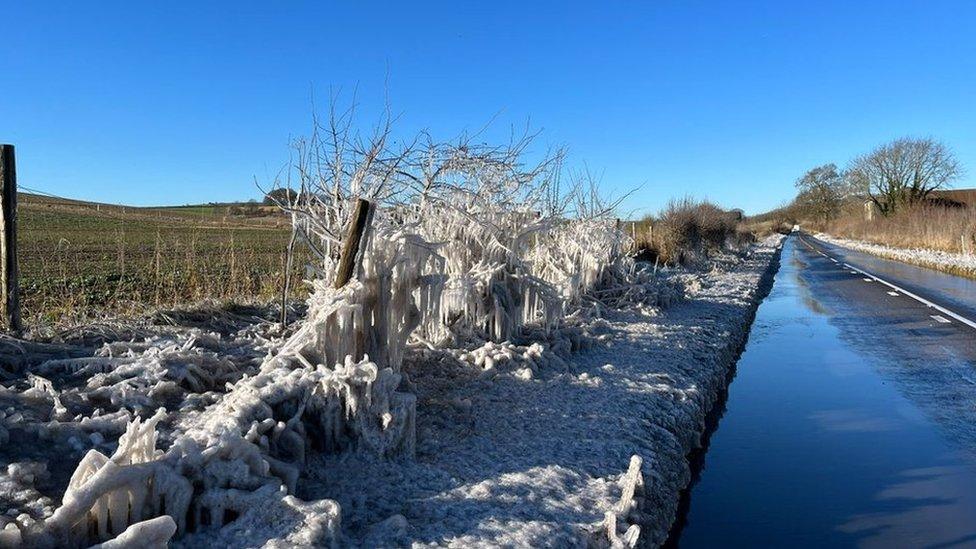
893, 176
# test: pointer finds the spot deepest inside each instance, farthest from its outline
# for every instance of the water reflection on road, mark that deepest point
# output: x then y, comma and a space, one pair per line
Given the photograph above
825, 440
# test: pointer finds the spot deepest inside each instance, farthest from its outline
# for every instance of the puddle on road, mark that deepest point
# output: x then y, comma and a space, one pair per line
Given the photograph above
815, 448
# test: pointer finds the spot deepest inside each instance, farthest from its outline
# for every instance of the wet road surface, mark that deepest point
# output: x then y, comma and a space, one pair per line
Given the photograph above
851, 420
953, 292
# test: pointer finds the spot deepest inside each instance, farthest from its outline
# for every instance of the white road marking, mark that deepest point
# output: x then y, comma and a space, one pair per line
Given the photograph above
921, 300
893, 294
941, 319
868, 280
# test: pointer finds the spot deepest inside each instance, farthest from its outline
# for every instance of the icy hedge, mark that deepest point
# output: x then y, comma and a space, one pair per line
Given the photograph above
477, 252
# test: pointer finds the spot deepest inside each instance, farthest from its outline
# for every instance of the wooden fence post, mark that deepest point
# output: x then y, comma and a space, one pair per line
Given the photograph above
289, 256
9, 293
354, 237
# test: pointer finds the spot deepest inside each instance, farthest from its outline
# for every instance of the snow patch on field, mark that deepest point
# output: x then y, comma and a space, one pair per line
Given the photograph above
935, 259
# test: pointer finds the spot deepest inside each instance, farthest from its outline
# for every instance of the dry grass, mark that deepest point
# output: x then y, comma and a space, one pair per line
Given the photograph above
687, 230
929, 227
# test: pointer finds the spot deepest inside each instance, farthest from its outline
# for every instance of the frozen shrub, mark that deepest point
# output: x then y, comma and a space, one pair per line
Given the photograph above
486, 210
584, 250
461, 240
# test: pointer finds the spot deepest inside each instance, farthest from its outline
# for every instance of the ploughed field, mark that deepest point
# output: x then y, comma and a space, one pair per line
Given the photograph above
80, 259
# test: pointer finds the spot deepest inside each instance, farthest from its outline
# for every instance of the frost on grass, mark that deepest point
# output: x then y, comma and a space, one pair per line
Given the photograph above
476, 279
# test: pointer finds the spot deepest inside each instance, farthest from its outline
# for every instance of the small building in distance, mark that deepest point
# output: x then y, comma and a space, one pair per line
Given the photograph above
954, 198
950, 198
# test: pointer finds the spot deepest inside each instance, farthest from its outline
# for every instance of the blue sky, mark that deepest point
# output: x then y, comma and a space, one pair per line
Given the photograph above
174, 103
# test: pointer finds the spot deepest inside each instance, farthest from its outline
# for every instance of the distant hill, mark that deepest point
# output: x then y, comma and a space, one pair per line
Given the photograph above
233, 213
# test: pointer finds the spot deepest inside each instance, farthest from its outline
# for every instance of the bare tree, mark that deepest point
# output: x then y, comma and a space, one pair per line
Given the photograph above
822, 191
904, 171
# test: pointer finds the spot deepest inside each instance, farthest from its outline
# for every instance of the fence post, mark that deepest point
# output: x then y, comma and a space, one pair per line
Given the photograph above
289, 255
9, 293
354, 237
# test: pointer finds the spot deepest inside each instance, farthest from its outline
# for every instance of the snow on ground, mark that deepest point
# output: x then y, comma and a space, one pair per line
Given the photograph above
964, 264
511, 459
518, 443
58, 401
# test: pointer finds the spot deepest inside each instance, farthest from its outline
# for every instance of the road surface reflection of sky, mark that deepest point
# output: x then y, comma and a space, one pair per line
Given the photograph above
818, 446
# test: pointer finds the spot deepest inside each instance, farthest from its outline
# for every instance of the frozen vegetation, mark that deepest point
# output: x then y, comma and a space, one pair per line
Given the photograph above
964, 264
498, 371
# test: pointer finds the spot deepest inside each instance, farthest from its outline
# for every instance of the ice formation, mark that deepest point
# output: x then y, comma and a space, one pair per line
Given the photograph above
489, 285
108, 495
578, 255
626, 514
479, 254
148, 534
376, 314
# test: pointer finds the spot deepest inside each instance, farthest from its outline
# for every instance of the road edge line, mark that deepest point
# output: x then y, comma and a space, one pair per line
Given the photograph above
920, 299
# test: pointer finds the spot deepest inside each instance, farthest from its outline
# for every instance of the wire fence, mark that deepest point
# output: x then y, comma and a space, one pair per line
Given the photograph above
79, 260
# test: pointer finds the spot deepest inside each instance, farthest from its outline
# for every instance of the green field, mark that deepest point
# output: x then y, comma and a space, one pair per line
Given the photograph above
81, 260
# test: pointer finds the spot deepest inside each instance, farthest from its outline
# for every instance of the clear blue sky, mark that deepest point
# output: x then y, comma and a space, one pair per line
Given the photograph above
172, 102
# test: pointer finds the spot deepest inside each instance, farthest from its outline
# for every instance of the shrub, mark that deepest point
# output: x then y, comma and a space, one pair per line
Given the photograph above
686, 230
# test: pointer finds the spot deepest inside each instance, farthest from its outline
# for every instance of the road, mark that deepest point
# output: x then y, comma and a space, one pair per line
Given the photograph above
851, 420
920, 345
953, 293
